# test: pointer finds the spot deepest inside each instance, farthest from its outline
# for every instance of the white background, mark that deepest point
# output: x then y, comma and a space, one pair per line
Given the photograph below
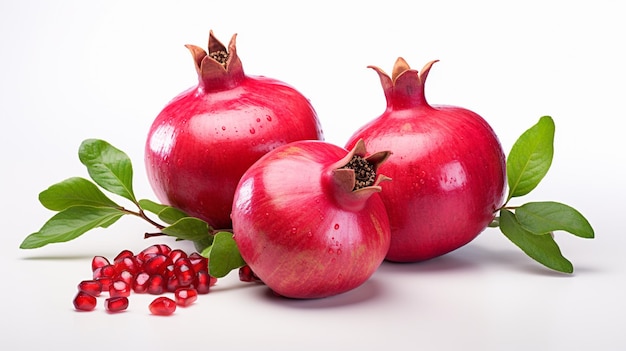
85, 69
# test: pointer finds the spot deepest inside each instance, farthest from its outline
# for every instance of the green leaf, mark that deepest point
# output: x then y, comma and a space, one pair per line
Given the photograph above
547, 217
166, 213
190, 228
108, 167
74, 191
223, 255
530, 158
151, 206
71, 223
541, 248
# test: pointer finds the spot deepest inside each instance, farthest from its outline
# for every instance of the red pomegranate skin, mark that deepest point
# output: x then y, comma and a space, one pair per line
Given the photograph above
447, 166
202, 142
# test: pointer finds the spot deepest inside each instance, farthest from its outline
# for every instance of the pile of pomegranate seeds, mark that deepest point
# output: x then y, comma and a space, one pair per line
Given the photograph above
156, 270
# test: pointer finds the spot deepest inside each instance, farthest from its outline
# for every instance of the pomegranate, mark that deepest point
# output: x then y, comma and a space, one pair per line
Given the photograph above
203, 140
308, 221
448, 168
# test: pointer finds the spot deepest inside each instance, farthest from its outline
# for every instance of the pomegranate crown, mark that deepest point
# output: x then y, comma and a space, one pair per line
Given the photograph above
220, 67
405, 87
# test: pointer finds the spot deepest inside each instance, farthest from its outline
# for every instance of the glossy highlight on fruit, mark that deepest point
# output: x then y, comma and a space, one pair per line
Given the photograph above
308, 219
448, 168
202, 142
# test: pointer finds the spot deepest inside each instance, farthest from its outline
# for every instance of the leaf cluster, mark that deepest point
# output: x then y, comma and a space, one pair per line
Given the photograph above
81, 205
531, 226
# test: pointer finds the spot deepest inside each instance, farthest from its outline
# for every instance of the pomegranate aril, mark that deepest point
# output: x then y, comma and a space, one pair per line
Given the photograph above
84, 301
156, 264
172, 284
177, 254
140, 282
184, 272
185, 296
162, 306
127, 263
199, 262
126, 276
156, 284
116, 304
119, 288
91, 287
157, 249
106, 282
203, 282
247, 275
99, 261
106, 271
123, 254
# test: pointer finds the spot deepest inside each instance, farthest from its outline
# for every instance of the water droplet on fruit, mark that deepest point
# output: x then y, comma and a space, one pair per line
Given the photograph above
331, 251
338, 251
252, 131
269, 118
309, 234
294, 230
223, 127
258, 120
336, 226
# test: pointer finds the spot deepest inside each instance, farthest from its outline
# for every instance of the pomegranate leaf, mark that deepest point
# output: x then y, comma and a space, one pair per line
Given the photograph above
193, 229
108, 167
166, 213
530, 157
541, 248
70, 223
547, 217
74, 191
223, 255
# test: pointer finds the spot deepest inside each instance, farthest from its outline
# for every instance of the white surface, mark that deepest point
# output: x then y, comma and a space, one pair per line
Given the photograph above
76, 70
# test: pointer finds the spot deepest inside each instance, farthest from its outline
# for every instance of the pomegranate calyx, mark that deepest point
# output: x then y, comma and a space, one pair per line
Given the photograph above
405, 87
220, 67
357, 173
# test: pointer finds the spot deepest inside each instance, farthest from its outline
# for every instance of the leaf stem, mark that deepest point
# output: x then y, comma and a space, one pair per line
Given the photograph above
142, 214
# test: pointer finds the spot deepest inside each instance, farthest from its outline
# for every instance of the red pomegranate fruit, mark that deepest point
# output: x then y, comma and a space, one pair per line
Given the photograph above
447, 165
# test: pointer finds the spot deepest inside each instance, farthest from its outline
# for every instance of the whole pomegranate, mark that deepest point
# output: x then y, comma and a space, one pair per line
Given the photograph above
308, 219
448, 168
203, 140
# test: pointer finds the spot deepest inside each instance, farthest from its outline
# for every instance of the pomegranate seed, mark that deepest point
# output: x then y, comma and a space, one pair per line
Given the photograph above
156, 264
185, 296
184, 272
156, 284
203, 282
158, 249
162, 306
140, 283
172, 284
106, 282
199, 262
84, 302
107, 271
126, 276
127, 263
99, 261
119, 288
123, 254
116, 304
247, 275
91, 287
176, 254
